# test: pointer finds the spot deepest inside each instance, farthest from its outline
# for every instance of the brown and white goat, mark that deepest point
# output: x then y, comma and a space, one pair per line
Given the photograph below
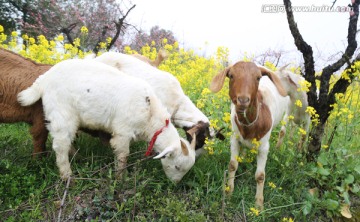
258, 104
16, 74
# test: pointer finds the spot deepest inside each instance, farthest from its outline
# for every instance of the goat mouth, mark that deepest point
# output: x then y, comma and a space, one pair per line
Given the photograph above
241, 109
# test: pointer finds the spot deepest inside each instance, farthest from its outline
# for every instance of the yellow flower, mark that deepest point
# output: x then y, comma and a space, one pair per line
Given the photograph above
84, 30
310, 110
108, 40
350, 116
60, 38
200, 104
272, 185
291, 117
256, 143
227, 188
102, 45
76, 42
1, 28
298, 103
213, 123
25, 37
254, 211
325, 146
285, 219
226, 117
239, 159
164, 41
14, 34
302, 131
31, 40
304, 86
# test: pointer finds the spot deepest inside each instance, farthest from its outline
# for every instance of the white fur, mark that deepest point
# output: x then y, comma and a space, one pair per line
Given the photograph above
89, 94
301, 117
183, 112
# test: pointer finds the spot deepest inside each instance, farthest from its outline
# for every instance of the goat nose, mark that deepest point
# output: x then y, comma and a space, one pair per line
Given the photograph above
243, 100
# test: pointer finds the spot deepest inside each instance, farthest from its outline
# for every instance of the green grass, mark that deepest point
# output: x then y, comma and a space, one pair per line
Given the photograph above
30, 190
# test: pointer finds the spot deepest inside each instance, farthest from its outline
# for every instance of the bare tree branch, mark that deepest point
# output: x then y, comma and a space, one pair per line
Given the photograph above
323, 104
67, 30
349, 52
118, 27
307, 52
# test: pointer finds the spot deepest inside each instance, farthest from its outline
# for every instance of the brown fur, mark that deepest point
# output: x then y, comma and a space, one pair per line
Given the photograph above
16, 74
262, 124
253, 117
201, 130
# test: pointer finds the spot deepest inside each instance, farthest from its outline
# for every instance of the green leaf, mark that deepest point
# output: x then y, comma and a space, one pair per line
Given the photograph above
331, 204
357, 169
346, 197
355, 188
323, 171
323, 159
349, 179
307, 208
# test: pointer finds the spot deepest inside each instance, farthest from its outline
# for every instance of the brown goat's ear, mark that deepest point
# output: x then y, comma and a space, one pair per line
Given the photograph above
275, 79
218, 80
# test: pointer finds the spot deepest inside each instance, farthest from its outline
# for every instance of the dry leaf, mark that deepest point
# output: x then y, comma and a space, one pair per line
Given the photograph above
314, 191
345, 210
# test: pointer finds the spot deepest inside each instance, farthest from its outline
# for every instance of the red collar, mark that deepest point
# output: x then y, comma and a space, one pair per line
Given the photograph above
153, 139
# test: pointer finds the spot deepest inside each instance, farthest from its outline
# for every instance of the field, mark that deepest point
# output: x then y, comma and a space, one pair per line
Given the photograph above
295, 190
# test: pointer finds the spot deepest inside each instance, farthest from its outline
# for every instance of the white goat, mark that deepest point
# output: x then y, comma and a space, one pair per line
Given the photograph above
89, 94
291, 83
258, 105
183, 112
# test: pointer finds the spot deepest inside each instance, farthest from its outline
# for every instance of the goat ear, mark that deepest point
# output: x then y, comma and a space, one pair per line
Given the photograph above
184, 149
275, 79
282, 68
218, 80
164, 152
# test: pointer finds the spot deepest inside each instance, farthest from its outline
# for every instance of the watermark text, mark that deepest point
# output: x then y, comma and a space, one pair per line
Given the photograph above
278, 8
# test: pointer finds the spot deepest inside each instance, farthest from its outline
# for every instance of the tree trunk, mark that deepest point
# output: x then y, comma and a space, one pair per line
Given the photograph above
315, 138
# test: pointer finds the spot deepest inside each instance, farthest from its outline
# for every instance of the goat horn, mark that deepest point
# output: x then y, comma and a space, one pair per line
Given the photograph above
164, 152
193, 142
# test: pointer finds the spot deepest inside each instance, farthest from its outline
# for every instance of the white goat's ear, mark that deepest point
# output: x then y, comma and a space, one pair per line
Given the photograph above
218, 80
164, 152
184, 148
282, 68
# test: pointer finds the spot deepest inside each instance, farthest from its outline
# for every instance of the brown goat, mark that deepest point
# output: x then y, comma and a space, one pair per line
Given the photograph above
16, 74
258, 104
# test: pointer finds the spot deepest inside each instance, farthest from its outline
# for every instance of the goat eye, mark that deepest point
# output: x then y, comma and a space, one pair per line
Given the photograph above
230, 76
178, 168
258, 78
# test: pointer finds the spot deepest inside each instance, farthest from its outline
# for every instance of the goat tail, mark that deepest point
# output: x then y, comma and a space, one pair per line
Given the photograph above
30, 95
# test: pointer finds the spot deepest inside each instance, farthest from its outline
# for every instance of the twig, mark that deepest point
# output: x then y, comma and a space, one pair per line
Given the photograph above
63, 199
242, 201
133, 216
223, 196
279, 207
